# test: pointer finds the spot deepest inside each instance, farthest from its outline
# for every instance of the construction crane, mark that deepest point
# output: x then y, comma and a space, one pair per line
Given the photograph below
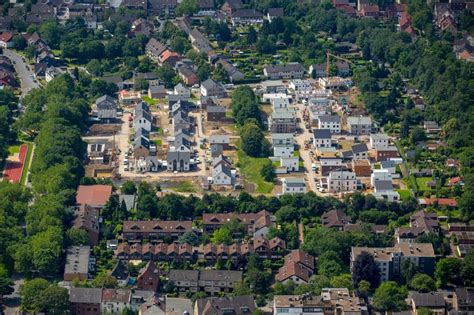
328, 62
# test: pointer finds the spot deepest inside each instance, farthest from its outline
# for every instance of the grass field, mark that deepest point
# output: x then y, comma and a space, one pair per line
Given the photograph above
13, 149
184, 187
250, 168
26, 167
404, 194
422, 181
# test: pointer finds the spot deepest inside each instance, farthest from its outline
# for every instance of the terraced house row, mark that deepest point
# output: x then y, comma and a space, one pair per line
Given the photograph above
264, 248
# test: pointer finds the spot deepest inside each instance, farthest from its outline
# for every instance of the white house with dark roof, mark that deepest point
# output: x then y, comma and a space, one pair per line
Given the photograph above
211, 88
341, 181
292, 185
106, 107
359, 125
360, 151
380, 140
331, 122
283, 144
322, 138
222, 175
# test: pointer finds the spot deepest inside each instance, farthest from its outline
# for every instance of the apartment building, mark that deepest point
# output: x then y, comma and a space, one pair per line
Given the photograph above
390, 259
136, 231
359, 125
331, 122
341, 181
209, 281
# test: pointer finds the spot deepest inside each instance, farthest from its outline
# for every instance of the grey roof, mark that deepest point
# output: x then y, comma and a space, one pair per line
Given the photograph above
77, 259
275, 11
183, 275
294, 182
360, 147
120, 271
142, 106
85, 295
379, 136
383, 185
237, 305
284, 114
387, 163
221, 168
322, 133
433, 299
247, 13
359, 120
157, 89
105, 98
143, 142
155, 47
282, 136
210, 84
128, 199
330, 118
221, 275
142, 132
215, 109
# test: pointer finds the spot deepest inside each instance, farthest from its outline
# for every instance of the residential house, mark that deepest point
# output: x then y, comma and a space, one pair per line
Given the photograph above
224, 140
85, 300
252, 221
222, 175
463, 300
234, 74
300, 86
120, 272
298, 304
273, 86
156, 91
87, 218
136, 5
298, 267
385, 153
154, 49
434, 301
341, 181
182, 90
231, 6
289, 164
330, 164
149, 277
390, 260
211, 88
383, 189
178, 159
348, 10
335, 219
292, 70
317, 70
52, 72
246, 17
360, 151
237, 305
359, 125
115, 301
142, 118
199, 42
438, 202
95, 196
343, 69
370, 11
215, 113
206, 8
273, 13
6, 40
293, 185
142, 27
188, 75
431, 127
408, 234
283, 121
425, 220
322, 138
164, 8
209, 281
168, 57
143, 147
379, 140
77, 263
136, 231
331, 122
341, 301
106, 107
283, 144
181, 121
362, 168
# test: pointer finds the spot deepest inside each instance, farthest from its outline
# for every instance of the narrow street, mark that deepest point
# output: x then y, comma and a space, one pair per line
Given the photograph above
23, 71
304, 154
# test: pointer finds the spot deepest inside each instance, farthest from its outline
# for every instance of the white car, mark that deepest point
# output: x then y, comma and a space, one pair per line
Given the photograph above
125, 162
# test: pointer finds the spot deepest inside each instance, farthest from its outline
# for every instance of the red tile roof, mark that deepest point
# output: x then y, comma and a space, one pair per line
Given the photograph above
94, 195
6, 37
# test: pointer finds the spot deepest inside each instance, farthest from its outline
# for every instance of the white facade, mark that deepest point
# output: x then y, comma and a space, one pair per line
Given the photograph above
181, 90
300, 86
332, 123
283, 144
380, 175
283, 151
293, 186
380, 140
322, 143
339, 181
142, 122
280, 103
290, 163
219, 177
359, 125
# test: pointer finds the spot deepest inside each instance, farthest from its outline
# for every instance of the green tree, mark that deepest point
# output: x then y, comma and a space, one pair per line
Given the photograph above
390, 297
77, 237
253, 140
448, 271
342, 281
365, 268
128, 188
166, 74
54, 300
6, 284
104, 280
423, 283
221, 236
267, 172
30, 293
187, 7
467, 269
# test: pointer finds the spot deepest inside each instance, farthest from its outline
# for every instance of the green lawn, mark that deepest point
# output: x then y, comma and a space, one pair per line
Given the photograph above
158, 142
26, 167
184, 187
150, 101
250, 168
422, 181
404, 194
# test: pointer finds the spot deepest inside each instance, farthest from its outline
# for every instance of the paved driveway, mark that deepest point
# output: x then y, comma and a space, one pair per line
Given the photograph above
23, 71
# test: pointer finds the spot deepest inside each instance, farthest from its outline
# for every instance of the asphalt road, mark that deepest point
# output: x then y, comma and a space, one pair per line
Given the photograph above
23, 71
